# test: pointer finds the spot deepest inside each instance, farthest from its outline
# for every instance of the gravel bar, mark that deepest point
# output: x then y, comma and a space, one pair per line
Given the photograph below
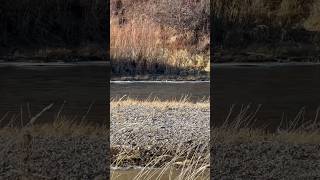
266, 160
54, 158
145, 126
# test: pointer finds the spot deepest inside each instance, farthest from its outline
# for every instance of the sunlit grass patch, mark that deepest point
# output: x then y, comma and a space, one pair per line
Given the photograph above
141, 43
161, 104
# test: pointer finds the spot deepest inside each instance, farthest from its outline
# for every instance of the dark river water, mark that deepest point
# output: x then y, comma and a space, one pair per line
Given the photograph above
169, 90
78, 92
281, 91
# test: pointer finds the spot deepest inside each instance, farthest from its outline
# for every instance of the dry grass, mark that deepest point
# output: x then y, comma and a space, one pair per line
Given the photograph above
277, 28
312, 23
24, 137
139, 39
30, 25
191, 163
141, 43
174, 103
241, 129
231, 136
60, 126
283, 13
51, 21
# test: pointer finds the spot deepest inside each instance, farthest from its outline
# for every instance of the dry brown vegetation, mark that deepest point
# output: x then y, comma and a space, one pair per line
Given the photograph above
159, 37
276, 30
283, 13
183, 102
186, 164
52, 28
23, 141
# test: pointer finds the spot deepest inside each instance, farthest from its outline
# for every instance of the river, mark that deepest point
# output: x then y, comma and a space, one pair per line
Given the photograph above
80, 91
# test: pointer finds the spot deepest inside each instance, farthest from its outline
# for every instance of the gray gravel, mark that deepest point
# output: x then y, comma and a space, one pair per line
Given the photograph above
265, 160
55, 158
154, 128
144, 126
85, 157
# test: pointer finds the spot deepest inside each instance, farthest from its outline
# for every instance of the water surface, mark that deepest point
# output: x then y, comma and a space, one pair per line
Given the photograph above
76, 91
163, 90
282, 90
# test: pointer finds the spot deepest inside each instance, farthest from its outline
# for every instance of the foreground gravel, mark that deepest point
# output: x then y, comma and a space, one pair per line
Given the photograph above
85, 157
151, 129
54, 158
265, 160
145, 126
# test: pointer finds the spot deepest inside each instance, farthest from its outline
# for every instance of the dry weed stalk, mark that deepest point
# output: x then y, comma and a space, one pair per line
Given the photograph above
26, 152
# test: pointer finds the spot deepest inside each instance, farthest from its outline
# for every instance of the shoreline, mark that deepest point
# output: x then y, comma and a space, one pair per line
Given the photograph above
53, 64
102, 62
262, 64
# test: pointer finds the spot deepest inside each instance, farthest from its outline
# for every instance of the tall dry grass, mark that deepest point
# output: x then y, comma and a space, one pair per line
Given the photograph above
282, 13
179, 164
139, 39
243, 128
239, 23
37, 24
141, 43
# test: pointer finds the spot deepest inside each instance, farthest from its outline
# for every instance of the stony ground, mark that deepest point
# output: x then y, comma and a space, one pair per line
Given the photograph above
141, 125
157, 129
54, 158
266, 160
148, 130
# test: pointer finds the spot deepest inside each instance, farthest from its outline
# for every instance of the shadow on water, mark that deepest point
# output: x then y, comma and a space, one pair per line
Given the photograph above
279, 92
77, 92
